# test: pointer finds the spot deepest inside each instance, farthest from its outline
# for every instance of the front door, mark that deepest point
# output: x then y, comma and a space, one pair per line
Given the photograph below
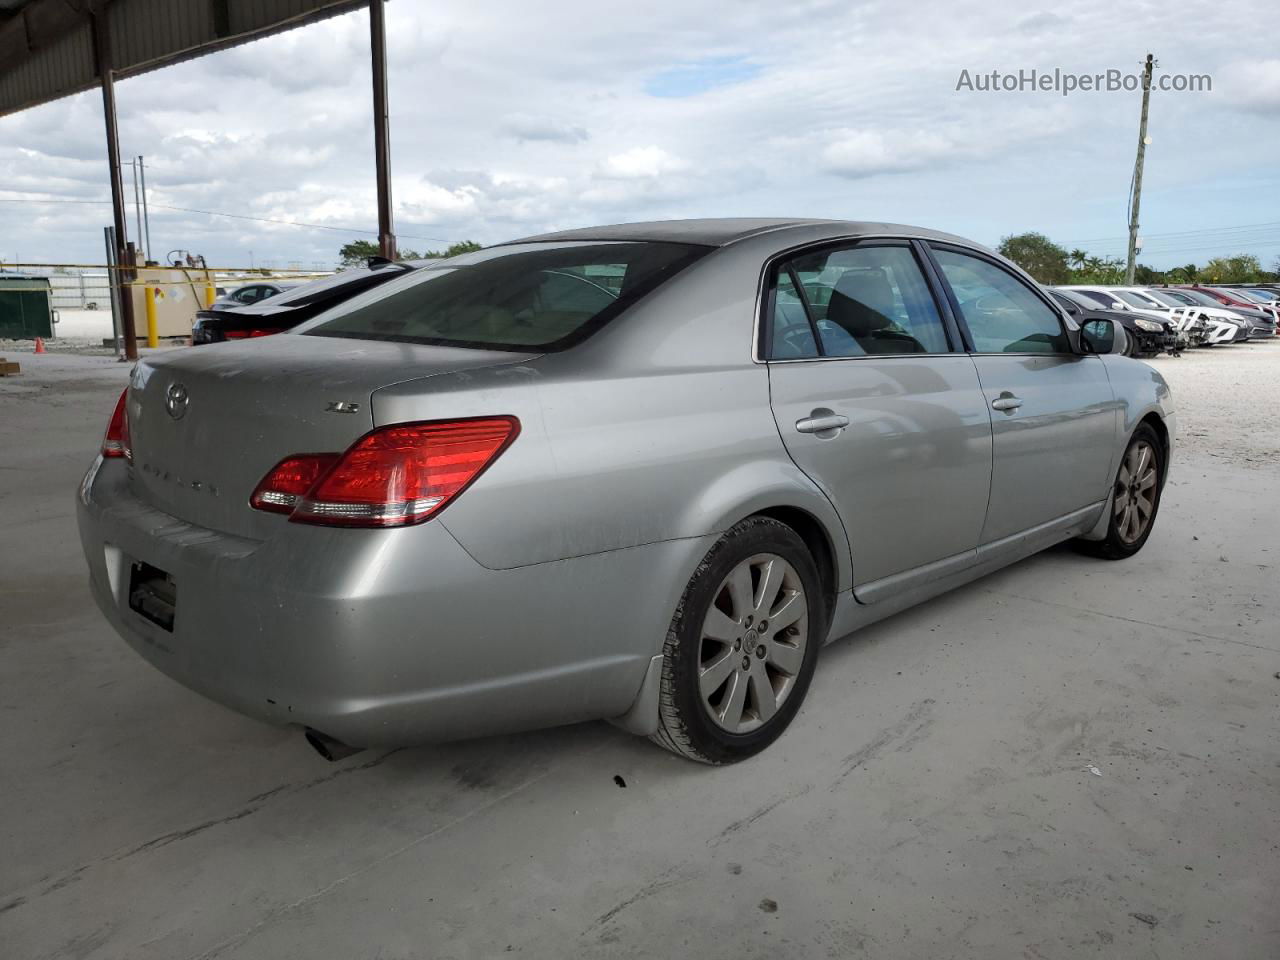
876, 406
1053, 414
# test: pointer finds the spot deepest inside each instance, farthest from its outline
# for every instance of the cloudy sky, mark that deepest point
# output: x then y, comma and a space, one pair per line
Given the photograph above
513, 118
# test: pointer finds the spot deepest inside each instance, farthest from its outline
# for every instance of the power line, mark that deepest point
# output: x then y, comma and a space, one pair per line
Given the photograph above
1180, 233
233, 216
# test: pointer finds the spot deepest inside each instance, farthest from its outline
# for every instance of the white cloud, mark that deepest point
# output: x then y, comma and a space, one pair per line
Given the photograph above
526, 127
512, 119
640, 162
865, 153
1252, 84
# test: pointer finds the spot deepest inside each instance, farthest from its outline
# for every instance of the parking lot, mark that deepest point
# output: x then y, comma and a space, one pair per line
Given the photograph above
1069, 757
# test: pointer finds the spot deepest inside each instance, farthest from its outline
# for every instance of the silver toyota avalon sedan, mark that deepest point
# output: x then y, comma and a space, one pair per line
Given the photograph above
638, 472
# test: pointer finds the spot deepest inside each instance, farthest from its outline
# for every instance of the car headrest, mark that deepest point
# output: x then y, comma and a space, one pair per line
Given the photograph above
861, 302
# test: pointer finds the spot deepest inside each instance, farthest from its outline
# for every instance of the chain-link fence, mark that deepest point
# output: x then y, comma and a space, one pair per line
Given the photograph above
80, 290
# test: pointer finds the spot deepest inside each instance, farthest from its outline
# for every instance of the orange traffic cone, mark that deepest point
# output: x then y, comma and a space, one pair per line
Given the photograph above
40, 345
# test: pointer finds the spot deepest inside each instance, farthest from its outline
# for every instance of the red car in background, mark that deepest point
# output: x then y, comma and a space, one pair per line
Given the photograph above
1236, 300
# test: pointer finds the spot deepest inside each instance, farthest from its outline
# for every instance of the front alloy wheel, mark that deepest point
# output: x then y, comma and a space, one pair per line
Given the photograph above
1135, 497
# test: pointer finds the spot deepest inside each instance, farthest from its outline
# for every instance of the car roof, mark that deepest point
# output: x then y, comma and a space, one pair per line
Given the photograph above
722, 231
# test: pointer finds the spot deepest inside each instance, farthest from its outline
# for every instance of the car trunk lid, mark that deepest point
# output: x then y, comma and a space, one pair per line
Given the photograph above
207, 424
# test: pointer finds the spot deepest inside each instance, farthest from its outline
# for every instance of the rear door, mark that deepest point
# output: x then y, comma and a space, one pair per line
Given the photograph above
1053, 416
876, 405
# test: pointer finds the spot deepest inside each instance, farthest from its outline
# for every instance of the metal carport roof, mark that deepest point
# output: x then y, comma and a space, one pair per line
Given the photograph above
47, 50
52, 48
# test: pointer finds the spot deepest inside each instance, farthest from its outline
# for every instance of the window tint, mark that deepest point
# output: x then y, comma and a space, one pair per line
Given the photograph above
1068, 305
870, 300
1135, 299
1095, 296
790, 336
1003, 314
1163, 298
524, 297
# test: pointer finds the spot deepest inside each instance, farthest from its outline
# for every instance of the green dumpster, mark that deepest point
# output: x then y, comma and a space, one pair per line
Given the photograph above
25, 310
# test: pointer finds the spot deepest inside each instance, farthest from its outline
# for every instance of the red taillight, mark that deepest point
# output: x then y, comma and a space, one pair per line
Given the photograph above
289, 479
247, 334
392, 477
116, 442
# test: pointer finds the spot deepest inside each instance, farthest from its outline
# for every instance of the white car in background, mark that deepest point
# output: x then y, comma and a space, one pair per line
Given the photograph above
1213, 325
1211, 313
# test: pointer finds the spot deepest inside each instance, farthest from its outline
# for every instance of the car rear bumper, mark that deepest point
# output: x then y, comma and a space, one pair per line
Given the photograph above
382, 636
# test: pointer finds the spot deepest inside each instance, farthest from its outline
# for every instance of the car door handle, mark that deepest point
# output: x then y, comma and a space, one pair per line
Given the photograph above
822, 424
1006, 401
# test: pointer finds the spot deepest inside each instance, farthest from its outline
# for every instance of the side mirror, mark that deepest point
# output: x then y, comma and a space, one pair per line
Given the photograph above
1103, 337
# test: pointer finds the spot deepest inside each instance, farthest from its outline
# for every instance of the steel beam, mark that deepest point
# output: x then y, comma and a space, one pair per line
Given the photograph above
102, 50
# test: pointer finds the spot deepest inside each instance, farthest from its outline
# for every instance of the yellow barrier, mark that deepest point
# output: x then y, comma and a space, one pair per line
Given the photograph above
153, 333
210, 295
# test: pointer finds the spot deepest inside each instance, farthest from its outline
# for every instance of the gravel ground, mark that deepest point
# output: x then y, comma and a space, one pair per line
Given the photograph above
1228, 402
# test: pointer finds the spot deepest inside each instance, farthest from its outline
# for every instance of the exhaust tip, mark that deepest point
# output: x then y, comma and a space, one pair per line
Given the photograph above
329, 748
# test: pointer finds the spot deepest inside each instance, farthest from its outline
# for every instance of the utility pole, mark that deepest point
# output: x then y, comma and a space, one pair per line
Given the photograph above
146, 217
1147, 69
137, 205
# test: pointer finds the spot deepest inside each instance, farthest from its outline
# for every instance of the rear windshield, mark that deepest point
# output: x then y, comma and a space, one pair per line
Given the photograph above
525, 297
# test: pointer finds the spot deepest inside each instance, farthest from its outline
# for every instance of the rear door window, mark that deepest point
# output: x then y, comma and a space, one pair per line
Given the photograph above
864, 300
523, 297
791, 334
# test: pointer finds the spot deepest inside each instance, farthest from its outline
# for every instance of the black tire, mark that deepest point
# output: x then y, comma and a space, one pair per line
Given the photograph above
1116, 545
685, 723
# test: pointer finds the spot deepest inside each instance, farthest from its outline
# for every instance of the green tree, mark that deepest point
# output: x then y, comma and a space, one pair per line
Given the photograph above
1243, 268
1077, 257
1108, 270
1184, 274
1038, 255
453, 250
357, 253
1147, 276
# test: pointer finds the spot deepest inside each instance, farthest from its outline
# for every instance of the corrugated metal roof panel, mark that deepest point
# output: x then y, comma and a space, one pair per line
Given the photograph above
145, 35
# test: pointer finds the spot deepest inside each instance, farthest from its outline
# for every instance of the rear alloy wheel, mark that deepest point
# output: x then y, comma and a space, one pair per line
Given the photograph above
742, 646
1135, 498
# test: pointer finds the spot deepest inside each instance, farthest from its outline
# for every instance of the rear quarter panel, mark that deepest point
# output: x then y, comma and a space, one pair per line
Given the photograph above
656, 428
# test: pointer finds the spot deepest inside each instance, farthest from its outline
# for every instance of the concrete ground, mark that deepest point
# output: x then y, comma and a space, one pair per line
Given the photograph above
937, 796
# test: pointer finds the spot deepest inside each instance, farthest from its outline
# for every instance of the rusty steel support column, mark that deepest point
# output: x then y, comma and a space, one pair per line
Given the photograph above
381, 124
102, 51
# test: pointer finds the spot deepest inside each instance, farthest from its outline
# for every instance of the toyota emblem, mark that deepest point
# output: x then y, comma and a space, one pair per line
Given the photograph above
175, 401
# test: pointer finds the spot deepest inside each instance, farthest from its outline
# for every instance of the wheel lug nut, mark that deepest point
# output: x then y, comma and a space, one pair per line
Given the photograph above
746, 663
748, 620
737, 644
763, 624
760, 651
